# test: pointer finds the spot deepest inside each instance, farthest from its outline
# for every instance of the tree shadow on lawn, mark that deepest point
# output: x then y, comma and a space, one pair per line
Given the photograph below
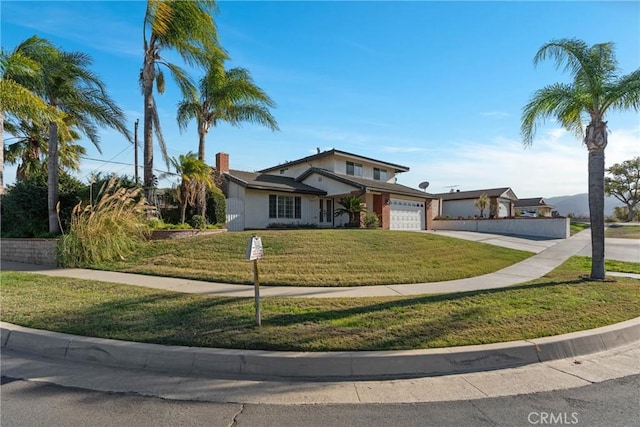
229, 322
286, 319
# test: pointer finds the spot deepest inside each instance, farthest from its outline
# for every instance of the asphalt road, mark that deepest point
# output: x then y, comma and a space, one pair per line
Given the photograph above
610, 403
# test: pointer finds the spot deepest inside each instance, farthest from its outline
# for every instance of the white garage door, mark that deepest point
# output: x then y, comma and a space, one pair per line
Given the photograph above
407, 215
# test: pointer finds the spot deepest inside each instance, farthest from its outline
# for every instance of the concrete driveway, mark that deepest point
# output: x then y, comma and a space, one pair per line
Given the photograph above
615, 249
523, 243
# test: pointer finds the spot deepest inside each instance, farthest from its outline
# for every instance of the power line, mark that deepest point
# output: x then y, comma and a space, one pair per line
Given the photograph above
125, 164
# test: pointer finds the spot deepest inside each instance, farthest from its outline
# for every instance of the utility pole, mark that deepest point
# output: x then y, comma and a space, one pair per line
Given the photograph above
135, 143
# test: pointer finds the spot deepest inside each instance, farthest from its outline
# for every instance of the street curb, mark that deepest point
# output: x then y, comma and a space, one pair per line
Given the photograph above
316, 365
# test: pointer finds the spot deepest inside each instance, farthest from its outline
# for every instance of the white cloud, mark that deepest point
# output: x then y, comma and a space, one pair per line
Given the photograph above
556, 164
108, 33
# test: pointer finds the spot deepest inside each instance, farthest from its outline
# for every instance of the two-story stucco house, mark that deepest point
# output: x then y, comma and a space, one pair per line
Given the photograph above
307, 191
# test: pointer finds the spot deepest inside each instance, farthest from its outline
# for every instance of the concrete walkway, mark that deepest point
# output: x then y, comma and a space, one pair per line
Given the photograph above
550, 254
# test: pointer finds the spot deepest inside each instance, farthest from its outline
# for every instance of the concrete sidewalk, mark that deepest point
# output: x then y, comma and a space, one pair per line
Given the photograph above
551, 253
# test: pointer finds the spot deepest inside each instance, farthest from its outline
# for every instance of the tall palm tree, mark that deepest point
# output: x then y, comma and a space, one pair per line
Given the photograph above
193, 174
228, 96
68, 86
187, 28
15, 98
597, 88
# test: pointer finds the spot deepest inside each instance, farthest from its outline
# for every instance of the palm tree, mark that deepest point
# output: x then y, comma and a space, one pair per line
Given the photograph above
193, 174
16, 99
186, 27
482, 203
68, 86
351, 206
228, 96
29, 147
596, 88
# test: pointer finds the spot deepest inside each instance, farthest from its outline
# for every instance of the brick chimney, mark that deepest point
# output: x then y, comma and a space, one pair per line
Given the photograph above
222, 163
222, 166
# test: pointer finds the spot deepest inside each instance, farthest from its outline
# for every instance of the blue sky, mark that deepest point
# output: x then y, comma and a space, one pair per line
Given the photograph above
435, 86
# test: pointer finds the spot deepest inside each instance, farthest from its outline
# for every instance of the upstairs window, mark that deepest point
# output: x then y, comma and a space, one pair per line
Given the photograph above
379, 174
354, 169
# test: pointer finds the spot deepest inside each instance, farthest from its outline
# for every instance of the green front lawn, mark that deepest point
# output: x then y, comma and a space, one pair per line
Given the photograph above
321, 258
555, 304
623, 231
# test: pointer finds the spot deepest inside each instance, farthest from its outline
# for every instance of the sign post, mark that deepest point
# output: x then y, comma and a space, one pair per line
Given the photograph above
254, 253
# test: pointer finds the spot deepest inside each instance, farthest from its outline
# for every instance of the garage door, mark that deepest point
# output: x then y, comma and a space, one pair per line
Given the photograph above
407, 215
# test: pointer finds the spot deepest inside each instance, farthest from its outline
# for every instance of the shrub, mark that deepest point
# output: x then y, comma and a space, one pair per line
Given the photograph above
24, 205
371, 220
217, 207
106, 231
198, 221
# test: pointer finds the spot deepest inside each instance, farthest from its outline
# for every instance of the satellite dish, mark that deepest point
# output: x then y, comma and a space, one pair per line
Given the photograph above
423, 185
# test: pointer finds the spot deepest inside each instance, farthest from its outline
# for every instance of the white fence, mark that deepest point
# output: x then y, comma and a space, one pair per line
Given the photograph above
553, 228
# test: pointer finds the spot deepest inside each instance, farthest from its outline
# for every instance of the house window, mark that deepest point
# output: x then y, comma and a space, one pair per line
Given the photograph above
379, 174
283, 171
285, 206
354, 169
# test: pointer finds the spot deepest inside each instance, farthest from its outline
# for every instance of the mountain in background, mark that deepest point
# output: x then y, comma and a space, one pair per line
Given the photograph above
578, 204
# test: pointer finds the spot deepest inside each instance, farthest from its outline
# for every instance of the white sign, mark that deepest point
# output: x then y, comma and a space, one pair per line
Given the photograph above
254, 249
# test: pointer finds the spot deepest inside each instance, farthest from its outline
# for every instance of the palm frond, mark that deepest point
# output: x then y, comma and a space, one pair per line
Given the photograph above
560, 101
187, 110
157, 129
624, 93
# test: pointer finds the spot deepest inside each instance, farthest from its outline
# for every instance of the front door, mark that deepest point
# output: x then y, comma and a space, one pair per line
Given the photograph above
325, 217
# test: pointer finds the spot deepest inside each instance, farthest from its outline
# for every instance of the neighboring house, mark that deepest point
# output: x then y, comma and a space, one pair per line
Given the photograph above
535, 206
461, 204
307, 191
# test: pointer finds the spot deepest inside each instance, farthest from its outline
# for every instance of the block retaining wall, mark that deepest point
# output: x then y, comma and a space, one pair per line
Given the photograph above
30, 251
552, 228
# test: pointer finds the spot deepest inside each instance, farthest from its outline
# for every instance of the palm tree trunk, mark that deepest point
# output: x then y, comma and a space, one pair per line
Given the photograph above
1, 152
596, 141
202, 135
183, 214
147, 78
202, 190
52, 180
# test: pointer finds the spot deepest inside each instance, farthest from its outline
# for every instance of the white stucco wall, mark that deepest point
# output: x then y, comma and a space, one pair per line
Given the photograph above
554, 228
329, 185
295, 171
257, 209
461, 208
336, 164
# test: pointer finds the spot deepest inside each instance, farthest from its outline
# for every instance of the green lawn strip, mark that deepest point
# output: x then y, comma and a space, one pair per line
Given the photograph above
623, 231
321, 258
555, 304
576, 227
